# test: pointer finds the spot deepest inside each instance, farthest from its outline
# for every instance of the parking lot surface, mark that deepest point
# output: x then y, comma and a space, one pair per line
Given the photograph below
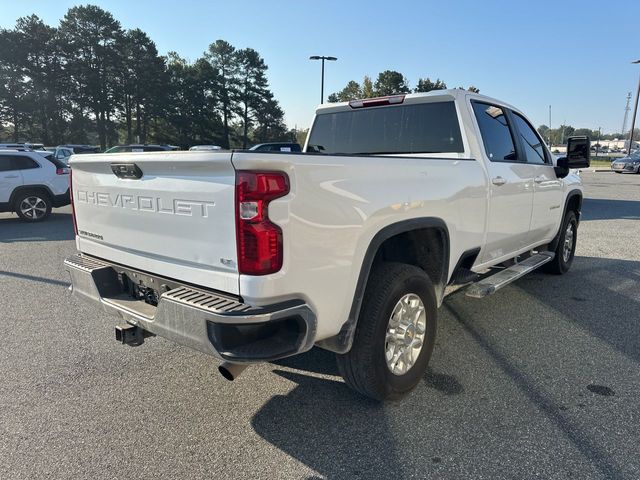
541, 379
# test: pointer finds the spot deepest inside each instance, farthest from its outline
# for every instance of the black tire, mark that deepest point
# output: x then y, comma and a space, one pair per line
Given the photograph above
32, 205
561, 265
364, 367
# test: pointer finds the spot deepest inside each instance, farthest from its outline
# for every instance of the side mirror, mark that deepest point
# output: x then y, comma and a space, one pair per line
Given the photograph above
578, 151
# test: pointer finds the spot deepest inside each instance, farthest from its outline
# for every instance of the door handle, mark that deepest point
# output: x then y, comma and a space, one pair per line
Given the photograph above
498, 181
11, 176
539, 179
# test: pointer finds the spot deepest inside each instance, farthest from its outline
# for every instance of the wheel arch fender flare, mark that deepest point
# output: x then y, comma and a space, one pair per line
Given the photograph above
341, 343
573, 194
28, 188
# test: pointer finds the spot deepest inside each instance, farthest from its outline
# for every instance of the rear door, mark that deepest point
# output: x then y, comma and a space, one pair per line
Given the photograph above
510, 183
10, 177
31, 170
167, 213
547, 188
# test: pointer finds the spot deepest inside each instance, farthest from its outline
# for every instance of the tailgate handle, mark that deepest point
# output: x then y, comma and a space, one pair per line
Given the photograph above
128, 171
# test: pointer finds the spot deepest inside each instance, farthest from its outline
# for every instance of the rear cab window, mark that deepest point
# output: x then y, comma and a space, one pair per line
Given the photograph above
399, 129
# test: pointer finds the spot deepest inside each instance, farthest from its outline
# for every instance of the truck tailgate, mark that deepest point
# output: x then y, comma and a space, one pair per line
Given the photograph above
177, 220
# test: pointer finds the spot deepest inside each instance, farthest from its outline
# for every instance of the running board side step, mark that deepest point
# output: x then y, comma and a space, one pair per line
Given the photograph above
495, 282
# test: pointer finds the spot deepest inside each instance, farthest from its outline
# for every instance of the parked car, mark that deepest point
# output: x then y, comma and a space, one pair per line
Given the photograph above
30, 184
205, 148
276, 147
628, 164
141, 148
252, 256
35, 147
64, 152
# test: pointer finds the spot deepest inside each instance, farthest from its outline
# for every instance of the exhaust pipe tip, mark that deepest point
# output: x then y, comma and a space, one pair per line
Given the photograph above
231, 371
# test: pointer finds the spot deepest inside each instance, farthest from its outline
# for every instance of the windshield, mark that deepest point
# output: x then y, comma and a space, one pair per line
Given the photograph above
402, 129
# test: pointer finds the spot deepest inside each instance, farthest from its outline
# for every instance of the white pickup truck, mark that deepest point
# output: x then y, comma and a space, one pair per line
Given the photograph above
350, 246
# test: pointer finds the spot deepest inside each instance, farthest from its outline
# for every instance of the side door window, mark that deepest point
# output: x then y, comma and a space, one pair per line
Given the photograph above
24, 163
6, 163
496, 134
531, 142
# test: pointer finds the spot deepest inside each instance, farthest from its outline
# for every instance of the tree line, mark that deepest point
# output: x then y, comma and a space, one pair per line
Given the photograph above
389, 82
560, 134
88, 80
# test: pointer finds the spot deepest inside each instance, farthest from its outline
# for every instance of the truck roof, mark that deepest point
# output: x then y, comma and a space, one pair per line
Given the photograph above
450, 94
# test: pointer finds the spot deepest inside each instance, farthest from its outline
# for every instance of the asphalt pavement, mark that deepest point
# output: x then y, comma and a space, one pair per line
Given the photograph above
540, 380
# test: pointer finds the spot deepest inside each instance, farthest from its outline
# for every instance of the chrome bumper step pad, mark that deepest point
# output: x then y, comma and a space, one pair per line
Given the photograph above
183, 314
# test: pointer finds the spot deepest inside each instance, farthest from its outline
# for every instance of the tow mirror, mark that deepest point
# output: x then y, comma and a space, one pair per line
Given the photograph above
578, 151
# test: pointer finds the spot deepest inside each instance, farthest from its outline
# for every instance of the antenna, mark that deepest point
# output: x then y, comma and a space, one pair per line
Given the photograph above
626, 115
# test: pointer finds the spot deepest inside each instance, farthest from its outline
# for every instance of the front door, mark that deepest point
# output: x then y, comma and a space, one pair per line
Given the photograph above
547, 187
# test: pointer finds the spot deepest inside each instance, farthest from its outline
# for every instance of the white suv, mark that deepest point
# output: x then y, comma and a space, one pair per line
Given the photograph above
31, 184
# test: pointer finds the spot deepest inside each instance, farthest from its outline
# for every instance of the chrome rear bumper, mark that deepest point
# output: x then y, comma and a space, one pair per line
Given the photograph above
209, 322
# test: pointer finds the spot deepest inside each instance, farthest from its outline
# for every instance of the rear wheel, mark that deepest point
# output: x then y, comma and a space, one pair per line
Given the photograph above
395, 334
32, 206
566, 248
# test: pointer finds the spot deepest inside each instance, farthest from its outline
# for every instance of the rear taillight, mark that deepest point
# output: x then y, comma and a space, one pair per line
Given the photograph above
62, 171
73, 208
259, 240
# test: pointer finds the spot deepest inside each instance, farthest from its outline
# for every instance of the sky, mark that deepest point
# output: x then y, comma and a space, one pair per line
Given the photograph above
531, 54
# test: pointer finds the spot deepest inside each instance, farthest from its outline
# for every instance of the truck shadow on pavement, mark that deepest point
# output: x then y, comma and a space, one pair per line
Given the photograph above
323, 362
544, 401
58, 227
332, 429
601, 296
340, 434
606, 209
33, 278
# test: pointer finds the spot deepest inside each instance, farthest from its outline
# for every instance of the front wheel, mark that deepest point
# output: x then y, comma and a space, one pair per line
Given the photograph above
395, 334
566, 248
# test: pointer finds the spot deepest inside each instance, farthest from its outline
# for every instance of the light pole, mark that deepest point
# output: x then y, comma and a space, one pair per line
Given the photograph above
549, 126
633, 119
323, 58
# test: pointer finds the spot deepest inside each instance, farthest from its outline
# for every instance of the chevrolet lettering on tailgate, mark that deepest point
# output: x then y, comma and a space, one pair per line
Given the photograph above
145, 203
